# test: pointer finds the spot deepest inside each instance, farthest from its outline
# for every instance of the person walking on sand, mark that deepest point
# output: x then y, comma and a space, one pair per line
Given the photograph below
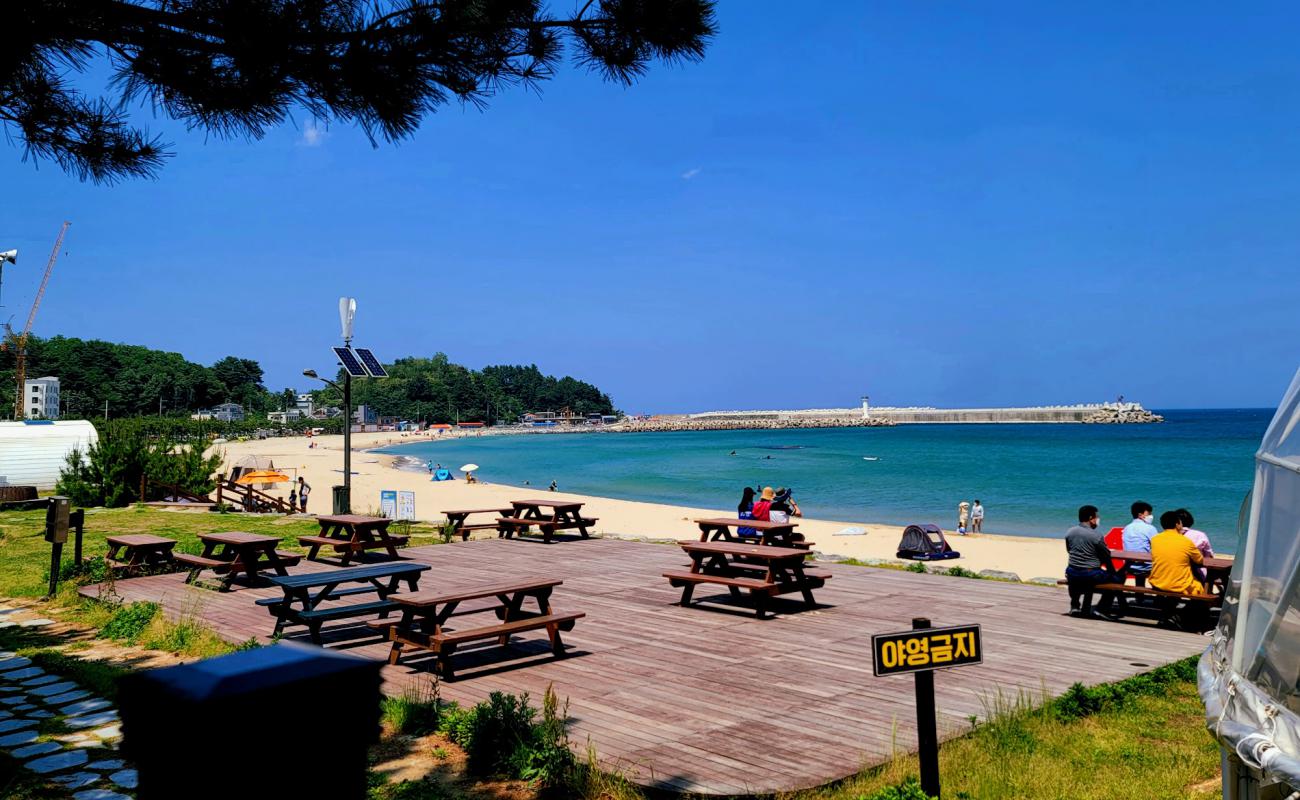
304, 489
963, 515
977, 518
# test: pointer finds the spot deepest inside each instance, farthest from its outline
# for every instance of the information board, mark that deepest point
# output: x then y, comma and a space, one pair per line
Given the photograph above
388, 503
405, 505
926, 649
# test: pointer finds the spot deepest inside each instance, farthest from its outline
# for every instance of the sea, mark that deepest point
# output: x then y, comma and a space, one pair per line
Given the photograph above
1030, 478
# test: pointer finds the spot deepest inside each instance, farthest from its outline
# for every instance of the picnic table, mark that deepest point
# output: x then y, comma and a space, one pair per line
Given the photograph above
764, 570
1217, 568
563, 515
423, 624
771, 533
234, 552
301, 606
462, 528
134, 553
351, 535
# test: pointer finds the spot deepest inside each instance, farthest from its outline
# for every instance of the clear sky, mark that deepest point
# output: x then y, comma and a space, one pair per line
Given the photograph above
932, 203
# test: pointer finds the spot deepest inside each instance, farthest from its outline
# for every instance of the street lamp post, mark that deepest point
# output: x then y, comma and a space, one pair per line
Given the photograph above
346, 389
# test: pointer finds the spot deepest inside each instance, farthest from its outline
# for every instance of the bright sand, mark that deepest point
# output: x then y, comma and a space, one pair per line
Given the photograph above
322, 467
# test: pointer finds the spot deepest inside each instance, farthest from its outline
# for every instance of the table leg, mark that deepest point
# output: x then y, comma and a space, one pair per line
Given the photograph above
389, 544
403, 627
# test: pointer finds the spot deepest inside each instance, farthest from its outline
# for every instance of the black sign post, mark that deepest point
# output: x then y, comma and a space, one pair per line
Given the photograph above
927, 733
921, 651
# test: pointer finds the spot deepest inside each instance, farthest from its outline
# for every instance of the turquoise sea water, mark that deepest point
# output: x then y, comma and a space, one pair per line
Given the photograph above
1031, 478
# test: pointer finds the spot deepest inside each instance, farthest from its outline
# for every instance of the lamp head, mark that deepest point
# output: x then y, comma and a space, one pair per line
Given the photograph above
310, 373
9, 256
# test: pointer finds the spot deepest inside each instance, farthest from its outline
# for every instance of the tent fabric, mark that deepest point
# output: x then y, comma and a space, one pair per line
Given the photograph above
925, 543
1249, 678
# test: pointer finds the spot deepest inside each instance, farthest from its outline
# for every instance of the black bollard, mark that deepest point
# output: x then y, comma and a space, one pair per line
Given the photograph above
291, 720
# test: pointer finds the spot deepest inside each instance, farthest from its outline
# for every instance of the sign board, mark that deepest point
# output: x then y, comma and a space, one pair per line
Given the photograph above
406, 505
388, 503
926, 649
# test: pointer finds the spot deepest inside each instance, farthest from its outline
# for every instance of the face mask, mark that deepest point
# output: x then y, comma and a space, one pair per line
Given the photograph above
1147, 518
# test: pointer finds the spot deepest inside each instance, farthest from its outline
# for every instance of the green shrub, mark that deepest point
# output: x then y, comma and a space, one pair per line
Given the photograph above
91, 570
414, 712
109, 473
129, 622
962, 572
909, 789
917, 566
548, 761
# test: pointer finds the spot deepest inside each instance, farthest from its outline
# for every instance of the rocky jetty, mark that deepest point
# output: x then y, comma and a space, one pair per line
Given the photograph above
662, 424
1121, 414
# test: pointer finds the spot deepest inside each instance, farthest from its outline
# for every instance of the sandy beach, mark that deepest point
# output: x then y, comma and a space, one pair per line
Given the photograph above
322, 467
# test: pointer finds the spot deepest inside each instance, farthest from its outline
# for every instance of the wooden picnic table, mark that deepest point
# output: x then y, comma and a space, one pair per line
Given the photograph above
563, 515
462, 528
134, 553
764, 570
1217, 568
423, 624
301, 606
770, 533
234, 552
351, 535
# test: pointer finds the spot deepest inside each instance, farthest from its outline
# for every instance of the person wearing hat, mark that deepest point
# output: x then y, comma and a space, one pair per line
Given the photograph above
963, 514
763, 506
784, 506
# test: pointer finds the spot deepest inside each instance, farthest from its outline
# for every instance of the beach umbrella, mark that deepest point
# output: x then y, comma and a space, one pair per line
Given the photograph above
468, 467
261, 476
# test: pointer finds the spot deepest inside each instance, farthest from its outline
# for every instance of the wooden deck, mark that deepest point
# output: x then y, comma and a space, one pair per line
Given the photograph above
696, 699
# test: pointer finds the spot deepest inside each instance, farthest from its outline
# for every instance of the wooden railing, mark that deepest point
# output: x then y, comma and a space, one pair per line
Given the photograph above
250, 499
170, 490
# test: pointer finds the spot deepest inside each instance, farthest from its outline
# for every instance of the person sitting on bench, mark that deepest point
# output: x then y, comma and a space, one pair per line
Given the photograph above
1173, 559
1090, 565
1137, 539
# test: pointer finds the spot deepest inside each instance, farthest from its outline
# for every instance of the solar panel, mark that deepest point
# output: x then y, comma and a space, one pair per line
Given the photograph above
349, 361
371, 363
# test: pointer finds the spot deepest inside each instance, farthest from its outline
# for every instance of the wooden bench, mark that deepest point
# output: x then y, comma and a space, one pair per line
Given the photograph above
300, 606
351, 535
425, 614
460, 524
136, 553
764, 570
1166, 602
219, 566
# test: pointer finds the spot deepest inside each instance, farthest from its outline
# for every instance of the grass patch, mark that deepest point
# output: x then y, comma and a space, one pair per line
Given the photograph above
1146, 731
100, 677
413, 712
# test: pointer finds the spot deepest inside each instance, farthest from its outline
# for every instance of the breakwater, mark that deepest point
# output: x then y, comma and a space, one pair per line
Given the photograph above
1090, 413
689, 423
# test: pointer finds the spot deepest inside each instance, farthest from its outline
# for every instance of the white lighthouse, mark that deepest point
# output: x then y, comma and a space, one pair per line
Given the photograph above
866, 407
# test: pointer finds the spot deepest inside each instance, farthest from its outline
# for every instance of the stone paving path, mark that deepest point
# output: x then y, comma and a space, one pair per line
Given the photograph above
57, 729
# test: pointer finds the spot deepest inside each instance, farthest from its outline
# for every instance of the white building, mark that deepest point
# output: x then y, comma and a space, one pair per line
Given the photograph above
284, 417
305, 405
228, 412
41, 398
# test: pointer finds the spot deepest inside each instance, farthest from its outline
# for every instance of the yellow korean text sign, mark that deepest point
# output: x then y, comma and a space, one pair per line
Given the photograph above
925, 649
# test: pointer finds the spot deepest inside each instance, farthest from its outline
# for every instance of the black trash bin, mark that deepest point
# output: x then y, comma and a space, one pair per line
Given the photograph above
342, 503
253, 724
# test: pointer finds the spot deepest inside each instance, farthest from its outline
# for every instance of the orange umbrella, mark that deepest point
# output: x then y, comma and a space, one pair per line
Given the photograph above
262, 476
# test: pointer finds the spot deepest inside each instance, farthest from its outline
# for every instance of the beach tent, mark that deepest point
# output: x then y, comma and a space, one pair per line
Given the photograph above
249, 464
925, 543
1250, 676
443, 474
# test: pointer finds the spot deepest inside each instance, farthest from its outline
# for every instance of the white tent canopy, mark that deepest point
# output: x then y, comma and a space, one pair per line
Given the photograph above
1250, 676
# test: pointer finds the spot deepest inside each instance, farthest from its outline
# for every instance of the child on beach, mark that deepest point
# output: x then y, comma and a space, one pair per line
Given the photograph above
977, 518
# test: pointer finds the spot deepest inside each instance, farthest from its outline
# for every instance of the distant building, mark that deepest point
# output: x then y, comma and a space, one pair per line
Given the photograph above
364, 415
284, 417
228, 412
41, 398
305, 405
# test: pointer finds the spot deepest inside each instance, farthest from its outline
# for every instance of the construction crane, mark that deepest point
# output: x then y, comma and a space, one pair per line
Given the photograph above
18, 342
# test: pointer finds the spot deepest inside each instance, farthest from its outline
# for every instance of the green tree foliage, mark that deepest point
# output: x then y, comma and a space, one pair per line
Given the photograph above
436, 390
238, 68
109, 473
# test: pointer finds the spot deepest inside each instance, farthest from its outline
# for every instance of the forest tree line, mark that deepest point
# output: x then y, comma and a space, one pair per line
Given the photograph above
141, 381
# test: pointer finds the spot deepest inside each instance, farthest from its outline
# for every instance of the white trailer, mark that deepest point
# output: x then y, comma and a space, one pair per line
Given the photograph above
32, 453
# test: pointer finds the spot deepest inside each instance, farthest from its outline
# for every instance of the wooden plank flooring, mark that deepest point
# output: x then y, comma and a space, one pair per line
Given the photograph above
698, 699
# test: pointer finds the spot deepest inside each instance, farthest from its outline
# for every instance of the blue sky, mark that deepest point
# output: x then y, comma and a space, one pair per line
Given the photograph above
939, 204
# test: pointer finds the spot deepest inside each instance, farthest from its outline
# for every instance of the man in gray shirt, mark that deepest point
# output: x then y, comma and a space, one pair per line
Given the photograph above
1089, 565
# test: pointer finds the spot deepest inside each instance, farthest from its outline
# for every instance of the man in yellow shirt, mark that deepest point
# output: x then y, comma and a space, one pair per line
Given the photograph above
1172, 558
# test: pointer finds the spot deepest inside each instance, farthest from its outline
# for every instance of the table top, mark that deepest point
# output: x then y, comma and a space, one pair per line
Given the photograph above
239, 537
347, 574
430, 598
756, 524
501, 509
350, 519
1214, 562
765, 552
139, 540
548, 503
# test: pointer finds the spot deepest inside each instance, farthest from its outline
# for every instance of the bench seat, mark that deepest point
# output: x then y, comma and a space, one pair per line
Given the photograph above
1150, 591
753, 584
355, 610
442, 645
346, 544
